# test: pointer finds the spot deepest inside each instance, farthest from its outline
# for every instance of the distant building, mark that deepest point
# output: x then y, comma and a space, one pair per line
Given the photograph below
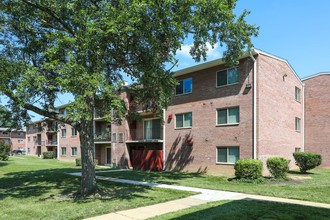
15, 138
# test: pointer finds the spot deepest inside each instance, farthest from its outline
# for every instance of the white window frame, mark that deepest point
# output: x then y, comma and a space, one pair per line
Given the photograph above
66, 153
216, 77
297, 128
228, 124
184, 93
227, 147
297, 93
114, 137
120, 137
150, 119
74, 155
74, 133
20, 141
183, 120
63, 136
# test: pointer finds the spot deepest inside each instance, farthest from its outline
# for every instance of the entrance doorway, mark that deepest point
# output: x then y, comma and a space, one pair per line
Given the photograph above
108, 155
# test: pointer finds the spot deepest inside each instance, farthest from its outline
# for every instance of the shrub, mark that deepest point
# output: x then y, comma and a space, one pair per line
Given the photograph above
307, 161
248, 169
278, 167
48, 155
4, 151
78, 161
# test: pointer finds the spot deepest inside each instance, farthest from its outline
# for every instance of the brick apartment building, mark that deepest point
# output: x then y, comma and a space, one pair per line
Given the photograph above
15, 138
317, 120
218, 115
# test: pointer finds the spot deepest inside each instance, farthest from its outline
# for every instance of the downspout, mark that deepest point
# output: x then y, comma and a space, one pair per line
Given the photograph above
58, 140
164, 133
254, 106
303, 118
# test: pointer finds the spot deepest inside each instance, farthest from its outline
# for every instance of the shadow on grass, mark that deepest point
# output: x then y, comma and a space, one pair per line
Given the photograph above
250, 209
3, 163
57, 184
300, 173
154, 177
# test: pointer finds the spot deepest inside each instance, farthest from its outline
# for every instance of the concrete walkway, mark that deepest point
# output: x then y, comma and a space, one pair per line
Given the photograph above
204, 196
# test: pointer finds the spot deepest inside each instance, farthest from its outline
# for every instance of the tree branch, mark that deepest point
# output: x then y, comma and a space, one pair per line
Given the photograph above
51, 13
51, 113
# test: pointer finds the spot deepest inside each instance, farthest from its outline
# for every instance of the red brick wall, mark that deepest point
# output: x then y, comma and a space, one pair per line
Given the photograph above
69, 142
203, 102
277, 109
15, 138
317, 120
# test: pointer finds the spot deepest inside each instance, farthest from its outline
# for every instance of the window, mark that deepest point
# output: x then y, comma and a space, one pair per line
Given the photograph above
73, 132
20, 141
297, 149
228, 116
63, 112
73, 151
227, 154
121, 137
63, 132
20, 134
151, 129
227, 77
297, 94
183, 120
63, 149
184, 87
29, 150
29, 139
114, 137
297, 124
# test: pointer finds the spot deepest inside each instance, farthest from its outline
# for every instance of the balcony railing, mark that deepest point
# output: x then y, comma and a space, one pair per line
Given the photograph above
102, 136
51, 129
51, 142
146, 135
37, 142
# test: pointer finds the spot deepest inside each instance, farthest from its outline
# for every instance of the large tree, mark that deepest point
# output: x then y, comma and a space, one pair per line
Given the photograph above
84, 48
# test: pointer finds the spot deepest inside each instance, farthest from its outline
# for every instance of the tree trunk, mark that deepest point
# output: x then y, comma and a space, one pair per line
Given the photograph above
88, 180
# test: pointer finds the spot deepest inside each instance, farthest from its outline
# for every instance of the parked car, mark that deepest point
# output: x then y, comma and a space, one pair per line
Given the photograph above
18, 152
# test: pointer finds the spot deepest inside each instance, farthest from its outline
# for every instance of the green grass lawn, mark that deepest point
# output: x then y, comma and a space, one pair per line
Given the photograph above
244, 210
314, 186
33, 188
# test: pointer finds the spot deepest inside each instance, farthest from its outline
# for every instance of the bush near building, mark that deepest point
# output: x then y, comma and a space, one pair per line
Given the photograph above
307, 161
48, 155
4, 151
248, 169
278, 167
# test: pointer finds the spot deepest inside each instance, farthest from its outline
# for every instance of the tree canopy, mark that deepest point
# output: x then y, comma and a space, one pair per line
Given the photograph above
84, 48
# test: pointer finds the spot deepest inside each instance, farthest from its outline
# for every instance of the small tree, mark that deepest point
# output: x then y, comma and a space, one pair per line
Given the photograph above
307, 161
278, 167
4, 151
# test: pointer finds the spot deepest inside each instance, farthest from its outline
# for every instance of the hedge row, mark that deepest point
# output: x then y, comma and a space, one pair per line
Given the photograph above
251, 169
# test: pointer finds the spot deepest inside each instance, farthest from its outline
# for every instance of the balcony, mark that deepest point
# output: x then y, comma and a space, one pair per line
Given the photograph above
37, 142
148, 135
102, 137
51, 143
51, 129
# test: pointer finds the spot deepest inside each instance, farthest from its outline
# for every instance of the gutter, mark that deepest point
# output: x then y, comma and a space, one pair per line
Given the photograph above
164, 133
254, 106
303, 118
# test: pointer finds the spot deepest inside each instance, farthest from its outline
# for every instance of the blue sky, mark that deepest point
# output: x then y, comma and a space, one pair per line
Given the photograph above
296, 30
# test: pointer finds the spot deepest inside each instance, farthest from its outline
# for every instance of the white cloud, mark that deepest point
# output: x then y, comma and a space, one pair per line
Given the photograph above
212, 53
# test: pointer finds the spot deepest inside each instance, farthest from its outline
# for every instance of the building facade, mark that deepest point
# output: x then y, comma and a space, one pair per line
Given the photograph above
317, 122
219, 114
15, 138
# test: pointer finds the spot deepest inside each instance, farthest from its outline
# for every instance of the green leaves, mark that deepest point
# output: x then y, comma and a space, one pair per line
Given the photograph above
83, 48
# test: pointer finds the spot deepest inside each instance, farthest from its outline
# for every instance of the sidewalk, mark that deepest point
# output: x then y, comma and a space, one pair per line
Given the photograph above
204, 196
